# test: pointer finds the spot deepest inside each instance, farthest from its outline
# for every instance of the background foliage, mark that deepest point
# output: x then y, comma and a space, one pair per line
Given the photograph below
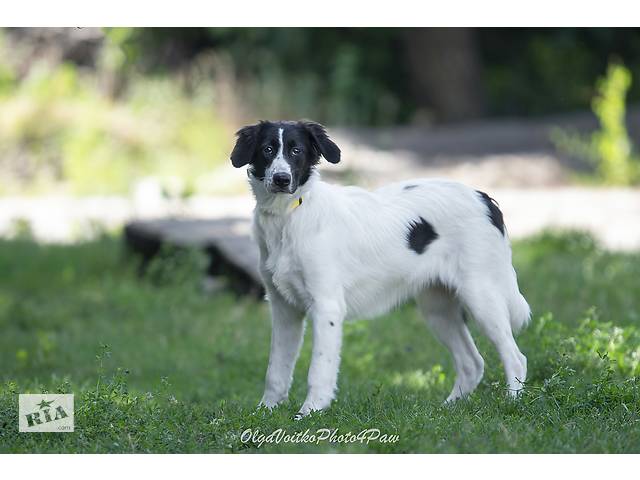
60, 126
361, 75
95, 112
609, 148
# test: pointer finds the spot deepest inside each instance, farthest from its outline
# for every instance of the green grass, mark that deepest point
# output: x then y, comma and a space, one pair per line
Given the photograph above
158, 366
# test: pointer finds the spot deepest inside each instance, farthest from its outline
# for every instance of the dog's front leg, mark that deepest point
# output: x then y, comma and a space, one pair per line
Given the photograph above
327, 318
286, 338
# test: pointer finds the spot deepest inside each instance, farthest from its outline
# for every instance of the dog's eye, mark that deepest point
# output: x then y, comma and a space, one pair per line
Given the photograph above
268, 150
295, 151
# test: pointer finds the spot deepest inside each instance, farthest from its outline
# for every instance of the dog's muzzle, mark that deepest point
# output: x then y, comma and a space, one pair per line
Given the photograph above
281, 182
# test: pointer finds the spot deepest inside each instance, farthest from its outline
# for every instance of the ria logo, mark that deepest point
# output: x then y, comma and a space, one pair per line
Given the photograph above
45, 413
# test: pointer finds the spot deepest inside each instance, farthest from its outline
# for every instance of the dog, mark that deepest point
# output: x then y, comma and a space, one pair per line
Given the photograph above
332, 253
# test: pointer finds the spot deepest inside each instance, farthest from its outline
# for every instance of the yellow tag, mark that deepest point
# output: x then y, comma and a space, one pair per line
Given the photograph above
296, 203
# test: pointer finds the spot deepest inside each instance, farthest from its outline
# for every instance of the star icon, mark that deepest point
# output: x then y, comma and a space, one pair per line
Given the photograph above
44, 404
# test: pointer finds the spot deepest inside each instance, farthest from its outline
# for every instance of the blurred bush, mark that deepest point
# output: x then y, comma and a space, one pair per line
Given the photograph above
62, 126
334, 75
364, 75
609, 148
132, 102
535, 71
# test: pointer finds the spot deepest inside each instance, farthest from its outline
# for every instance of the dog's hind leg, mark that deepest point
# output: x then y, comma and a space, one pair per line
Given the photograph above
490, 310
443, 312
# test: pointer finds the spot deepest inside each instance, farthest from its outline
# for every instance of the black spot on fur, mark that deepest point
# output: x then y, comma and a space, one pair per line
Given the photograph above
421, 234
494, 211
331, 323
409, 187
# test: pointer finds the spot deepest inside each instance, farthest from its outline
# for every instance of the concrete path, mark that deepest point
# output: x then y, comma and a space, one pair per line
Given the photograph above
487, 153
512, 159
611, 215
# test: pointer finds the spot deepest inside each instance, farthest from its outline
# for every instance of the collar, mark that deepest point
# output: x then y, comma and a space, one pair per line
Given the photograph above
295, 204
280, 204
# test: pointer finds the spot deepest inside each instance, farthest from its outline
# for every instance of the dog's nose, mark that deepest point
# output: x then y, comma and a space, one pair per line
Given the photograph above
281, 179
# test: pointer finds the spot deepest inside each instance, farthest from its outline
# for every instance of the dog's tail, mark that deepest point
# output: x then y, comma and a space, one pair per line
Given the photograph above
519, 312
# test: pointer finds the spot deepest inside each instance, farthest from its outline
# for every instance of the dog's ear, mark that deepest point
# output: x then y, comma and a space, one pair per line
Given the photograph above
322, 143
245, 145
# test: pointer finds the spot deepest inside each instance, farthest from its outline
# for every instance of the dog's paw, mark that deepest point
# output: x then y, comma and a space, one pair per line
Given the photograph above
266, 407
269, 403
305, 410
313, 405
453, 398
261, 410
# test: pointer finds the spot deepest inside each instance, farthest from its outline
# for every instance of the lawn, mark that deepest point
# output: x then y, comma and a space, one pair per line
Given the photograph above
157, 365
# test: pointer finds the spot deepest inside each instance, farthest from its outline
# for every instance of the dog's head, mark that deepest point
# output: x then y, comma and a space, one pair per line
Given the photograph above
283, 154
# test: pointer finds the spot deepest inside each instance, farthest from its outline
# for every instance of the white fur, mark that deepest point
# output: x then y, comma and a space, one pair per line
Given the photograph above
279, 164
343, 253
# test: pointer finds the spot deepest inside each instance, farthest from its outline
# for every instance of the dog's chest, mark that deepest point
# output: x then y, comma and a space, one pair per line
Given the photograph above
283, 260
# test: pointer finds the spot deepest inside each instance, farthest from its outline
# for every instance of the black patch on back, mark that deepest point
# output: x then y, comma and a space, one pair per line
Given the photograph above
409, 187
421, 234
495, 215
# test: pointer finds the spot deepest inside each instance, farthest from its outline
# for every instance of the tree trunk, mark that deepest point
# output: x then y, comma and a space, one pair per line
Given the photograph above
445, 71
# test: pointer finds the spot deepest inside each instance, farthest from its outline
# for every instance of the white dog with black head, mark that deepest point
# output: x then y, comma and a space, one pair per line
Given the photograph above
332, 253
